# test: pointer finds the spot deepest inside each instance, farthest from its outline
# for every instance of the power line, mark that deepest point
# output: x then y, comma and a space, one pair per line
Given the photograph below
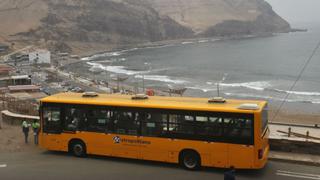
297, 80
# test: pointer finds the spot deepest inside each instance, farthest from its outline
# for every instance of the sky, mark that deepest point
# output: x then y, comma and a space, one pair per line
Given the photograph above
297, 11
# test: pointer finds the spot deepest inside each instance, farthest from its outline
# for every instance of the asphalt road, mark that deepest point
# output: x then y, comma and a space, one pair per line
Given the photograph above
46, 165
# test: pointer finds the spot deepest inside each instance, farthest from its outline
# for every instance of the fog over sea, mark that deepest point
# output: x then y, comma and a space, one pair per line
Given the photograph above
249, 68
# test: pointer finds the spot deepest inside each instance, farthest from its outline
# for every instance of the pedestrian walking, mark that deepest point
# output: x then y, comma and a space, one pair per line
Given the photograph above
25, 130
230, 174
35, 127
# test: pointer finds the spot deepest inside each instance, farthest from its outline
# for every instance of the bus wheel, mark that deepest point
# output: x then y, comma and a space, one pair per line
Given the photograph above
78, 149
190, 160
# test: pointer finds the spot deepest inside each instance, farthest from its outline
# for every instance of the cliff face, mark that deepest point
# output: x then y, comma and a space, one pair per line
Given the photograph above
107, 21
18, 16
121, 22
222, 17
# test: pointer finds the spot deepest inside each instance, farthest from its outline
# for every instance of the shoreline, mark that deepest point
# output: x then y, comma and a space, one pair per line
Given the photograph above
171, 42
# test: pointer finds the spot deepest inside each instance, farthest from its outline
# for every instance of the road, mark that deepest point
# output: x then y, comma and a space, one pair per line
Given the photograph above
41, 164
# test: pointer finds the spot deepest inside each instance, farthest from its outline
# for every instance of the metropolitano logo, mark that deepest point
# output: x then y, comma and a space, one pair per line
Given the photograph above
116, 139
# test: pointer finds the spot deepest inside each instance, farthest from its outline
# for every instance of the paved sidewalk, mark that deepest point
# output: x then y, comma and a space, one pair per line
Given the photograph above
295, 158
301, 130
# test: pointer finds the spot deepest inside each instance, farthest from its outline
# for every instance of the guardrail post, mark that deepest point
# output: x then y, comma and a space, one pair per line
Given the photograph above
307, 134
289, 131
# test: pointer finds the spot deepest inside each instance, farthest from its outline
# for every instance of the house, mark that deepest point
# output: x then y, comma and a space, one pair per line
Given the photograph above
40, 56
5, 70
15, 80
3, 48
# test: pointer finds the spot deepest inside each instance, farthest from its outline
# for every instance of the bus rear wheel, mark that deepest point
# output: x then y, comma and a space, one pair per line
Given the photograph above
190, 160
78, 149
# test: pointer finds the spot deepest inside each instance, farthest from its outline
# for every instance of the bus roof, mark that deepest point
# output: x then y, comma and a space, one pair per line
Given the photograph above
158, 102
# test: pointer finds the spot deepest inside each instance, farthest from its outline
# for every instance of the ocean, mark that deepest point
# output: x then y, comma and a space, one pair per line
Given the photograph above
247, 68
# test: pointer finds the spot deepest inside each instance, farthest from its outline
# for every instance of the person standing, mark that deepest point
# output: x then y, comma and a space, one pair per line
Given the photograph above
35, 127
230, 174
25, 130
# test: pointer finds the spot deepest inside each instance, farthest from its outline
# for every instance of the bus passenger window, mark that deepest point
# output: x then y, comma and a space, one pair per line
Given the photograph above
98, 120
52, 120
155, 125
126, 122
72, 119
180, 126
201, 126
238, 130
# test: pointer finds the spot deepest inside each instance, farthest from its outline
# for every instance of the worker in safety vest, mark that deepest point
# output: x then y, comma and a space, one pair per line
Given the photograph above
25, 130
35, 127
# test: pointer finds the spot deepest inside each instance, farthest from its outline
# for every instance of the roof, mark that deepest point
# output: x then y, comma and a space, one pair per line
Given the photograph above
23, 87
27, 96
4, 46
5, 67
161, 102
20, 77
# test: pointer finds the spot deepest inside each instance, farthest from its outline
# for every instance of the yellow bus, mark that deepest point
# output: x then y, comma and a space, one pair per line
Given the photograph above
193, 132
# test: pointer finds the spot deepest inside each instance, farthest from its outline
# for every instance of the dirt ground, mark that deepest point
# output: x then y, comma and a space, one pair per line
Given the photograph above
12, 139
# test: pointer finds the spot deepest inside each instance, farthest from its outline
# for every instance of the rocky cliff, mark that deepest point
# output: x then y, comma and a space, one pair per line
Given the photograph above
64, 23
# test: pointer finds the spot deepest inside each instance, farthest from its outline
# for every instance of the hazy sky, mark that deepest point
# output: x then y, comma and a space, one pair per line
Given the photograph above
297, 11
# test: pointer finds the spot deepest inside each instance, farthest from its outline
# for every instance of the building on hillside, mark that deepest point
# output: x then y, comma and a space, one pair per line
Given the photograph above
3, 48
23, 88
5, 70
40, 56
15, 80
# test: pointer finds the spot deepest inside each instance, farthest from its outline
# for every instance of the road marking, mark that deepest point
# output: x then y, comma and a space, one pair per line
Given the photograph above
3, 165
298, 175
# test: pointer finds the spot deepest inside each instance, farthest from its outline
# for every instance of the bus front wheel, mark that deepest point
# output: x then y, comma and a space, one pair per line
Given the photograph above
190, 160
78, 148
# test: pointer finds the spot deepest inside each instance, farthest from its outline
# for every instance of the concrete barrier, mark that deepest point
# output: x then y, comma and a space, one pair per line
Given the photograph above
305, 147
16, 119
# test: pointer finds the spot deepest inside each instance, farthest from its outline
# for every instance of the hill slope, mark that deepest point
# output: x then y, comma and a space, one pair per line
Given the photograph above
63, 23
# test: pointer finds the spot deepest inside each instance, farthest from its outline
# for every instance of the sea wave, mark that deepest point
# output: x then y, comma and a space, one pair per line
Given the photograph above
265, 97
137, 74
187, 42
201, 88
303, 93
203, 41
258, 85
161, 78
116, 69
101, 55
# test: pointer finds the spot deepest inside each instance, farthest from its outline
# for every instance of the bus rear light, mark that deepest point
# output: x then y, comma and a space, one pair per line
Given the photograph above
260, 153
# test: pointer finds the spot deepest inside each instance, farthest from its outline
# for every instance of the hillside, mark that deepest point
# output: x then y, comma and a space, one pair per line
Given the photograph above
99, 24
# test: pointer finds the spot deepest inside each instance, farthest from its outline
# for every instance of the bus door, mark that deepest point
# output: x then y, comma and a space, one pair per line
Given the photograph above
239, 134
218, 149
93, 129
153, 141
52, 128
125, 129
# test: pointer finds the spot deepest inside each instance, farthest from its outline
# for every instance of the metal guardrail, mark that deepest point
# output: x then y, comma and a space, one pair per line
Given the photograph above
315, 126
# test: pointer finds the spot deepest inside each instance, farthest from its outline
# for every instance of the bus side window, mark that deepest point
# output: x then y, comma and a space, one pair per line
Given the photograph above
238, 130
155, 125
181, 125
72, 118
52, 120
201, 125
214, 127
98, 120
125, 122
